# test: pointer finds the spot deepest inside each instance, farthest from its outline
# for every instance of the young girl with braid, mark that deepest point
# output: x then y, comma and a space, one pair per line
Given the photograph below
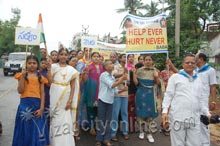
30, 124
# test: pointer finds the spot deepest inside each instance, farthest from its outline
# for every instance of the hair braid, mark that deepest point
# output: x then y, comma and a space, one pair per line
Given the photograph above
39, 76
26, 77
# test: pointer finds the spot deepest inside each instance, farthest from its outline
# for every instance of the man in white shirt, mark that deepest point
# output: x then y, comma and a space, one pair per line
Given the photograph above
184, 95
207, 74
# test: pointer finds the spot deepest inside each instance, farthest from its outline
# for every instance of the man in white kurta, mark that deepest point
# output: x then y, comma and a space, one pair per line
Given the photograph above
207, 75
184, 96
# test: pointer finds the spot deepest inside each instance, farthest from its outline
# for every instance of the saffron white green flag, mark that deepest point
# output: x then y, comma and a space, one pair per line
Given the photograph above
42, 35
36, 50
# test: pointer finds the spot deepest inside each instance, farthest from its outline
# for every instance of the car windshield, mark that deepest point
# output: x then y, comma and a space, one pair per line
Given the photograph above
17, 57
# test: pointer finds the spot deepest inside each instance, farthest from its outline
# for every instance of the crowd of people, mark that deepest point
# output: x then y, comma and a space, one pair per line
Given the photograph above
66, 92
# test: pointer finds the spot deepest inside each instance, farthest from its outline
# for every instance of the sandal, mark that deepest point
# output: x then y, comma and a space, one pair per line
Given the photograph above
115, 139
98, 143
76, 135
107, 143
92, 132
126, 137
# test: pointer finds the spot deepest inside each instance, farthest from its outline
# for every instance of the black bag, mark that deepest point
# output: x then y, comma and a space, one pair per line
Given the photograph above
213, 120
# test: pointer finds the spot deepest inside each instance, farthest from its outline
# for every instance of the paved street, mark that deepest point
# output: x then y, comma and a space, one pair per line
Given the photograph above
9, 100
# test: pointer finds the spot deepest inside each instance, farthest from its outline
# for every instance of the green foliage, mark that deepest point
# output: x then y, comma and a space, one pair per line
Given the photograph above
131, 6
151, 10
78, 44
7, 33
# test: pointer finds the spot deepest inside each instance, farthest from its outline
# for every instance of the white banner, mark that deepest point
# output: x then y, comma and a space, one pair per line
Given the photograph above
27, 36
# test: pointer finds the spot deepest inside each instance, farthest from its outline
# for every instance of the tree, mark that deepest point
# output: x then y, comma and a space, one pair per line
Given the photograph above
151, 9
131, 6
194, 20
7, 33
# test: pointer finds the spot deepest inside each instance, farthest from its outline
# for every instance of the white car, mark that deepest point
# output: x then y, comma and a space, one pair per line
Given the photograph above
15, 62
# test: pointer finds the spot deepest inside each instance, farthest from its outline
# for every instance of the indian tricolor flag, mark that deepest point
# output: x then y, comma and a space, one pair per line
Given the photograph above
42, 36
36, 50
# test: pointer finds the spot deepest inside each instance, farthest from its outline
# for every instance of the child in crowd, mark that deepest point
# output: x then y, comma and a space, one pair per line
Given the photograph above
130, 63
73, 61
44, 72
30, 124
106, 94
53, 55
63, 102
80, 64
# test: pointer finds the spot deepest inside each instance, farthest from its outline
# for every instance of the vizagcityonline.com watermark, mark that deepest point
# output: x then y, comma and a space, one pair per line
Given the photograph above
99, 125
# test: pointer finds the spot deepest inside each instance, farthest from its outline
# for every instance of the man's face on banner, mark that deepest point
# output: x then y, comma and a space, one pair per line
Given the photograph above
128, 23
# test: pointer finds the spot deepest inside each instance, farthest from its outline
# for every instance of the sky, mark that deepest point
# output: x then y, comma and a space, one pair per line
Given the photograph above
64, 18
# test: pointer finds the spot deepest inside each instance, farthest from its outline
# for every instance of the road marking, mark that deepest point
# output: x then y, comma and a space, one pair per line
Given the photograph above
7, 91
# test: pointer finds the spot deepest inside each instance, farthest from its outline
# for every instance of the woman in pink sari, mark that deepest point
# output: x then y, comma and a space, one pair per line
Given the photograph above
93, 70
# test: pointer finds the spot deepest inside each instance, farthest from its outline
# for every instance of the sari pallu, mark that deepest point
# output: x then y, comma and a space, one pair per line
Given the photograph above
92, 84
91, 92
63, 121
29, 130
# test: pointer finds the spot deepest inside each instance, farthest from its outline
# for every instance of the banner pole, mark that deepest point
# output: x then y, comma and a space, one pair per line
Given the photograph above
168, 67
126, 64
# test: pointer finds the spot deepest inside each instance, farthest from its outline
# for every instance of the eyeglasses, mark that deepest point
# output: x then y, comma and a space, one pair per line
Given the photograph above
190, 63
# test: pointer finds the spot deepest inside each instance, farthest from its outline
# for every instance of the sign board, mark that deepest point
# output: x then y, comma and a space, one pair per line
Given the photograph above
27, 36
88, 41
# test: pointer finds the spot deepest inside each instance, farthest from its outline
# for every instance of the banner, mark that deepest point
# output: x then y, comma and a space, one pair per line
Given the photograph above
27, 36
105, 49
147, 34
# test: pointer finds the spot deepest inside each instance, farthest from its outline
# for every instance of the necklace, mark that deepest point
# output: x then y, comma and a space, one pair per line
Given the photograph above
63, 74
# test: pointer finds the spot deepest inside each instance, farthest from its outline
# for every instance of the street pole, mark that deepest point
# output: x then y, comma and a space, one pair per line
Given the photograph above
85, 30
177, 29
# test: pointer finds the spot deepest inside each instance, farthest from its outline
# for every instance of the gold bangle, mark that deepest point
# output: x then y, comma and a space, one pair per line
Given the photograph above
70, 100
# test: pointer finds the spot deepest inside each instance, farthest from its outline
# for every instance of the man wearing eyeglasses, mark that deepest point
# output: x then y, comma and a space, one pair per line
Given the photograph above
185, 98
207, 74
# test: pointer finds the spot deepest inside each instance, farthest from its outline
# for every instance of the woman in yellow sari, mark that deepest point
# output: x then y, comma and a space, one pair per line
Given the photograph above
63, 101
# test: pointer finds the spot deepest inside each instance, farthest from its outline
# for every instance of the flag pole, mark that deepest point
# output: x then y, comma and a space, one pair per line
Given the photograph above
46, 50
24, 66
40, 25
